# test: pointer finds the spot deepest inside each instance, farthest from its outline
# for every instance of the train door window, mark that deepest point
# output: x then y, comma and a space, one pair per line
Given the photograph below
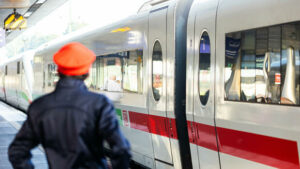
157, 71
5, 70
263, 65
18, 67
204, 68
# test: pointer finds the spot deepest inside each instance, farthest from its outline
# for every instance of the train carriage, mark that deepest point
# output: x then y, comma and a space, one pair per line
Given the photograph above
134, 68
196, 84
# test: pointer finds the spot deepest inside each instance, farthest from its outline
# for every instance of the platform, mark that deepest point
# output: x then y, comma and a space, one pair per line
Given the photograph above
10, 122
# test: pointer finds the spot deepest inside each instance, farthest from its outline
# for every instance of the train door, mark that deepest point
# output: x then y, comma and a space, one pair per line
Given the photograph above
38, 76
200, 85
24, 95
12, 83
157, 87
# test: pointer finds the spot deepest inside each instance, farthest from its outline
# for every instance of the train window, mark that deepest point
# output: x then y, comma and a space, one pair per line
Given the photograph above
97, 74
204, 68
118, 72
113, 74
18, 67
52, 75
157, 71
263, 65
133, 75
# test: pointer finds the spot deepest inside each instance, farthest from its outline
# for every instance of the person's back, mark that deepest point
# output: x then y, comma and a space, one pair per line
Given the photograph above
71, 123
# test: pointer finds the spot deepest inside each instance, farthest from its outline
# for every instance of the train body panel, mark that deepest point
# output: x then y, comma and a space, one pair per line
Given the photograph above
242, 62
248, 31
12, 82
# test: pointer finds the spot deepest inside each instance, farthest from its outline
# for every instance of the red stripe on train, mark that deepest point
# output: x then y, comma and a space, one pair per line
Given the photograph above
271, 151
276, 152
153, 124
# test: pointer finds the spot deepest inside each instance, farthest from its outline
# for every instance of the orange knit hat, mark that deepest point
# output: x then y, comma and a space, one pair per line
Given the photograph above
74, 59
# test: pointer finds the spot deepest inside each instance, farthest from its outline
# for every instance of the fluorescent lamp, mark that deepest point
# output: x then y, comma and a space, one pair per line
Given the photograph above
40, 1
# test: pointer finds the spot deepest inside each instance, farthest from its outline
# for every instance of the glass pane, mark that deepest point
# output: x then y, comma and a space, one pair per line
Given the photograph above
113, 74
204, 68
290, 63
261, 64
52, 75
248, 63
266, 68
157, 71
132, 71
274, 71
232, 66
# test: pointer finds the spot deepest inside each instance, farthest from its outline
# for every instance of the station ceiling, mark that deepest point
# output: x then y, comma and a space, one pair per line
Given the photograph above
22, 6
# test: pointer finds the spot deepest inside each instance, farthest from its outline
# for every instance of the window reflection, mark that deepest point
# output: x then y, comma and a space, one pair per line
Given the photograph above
263, 65
157, 71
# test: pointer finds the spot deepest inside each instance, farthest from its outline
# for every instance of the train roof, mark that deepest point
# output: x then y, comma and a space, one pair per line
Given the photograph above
107, 37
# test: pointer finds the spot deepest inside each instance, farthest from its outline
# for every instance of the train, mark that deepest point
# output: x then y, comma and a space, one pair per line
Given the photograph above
197, 84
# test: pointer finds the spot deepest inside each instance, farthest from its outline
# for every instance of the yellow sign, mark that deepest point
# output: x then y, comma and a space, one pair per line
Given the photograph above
15, 21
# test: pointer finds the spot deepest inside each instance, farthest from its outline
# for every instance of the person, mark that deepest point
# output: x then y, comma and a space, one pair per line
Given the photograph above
112, 84
71, 123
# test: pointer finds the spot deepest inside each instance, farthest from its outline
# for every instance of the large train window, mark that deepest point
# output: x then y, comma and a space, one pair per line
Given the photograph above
157, 71
263, 65
118, 72
204, 68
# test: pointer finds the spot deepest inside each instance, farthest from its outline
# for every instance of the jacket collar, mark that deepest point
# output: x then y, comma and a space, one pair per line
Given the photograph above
69, 82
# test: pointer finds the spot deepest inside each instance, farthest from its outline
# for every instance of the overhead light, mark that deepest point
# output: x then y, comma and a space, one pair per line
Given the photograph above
27, 14
40, 1
124, 29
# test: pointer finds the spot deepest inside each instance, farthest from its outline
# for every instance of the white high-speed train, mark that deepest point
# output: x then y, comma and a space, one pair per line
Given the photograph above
202, 84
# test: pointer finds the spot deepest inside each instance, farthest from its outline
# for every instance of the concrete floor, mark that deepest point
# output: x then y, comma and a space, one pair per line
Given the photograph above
10, 121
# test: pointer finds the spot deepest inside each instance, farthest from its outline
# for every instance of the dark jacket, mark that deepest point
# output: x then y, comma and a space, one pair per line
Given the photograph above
71, 123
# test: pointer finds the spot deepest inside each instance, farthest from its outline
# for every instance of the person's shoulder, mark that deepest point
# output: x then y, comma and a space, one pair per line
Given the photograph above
39, 102
101, 98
